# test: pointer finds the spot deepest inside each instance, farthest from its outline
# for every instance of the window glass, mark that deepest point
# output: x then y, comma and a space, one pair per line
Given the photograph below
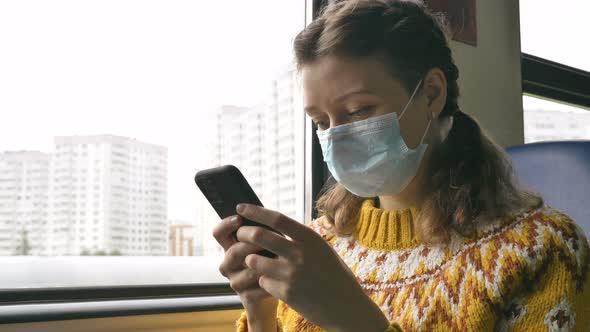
546, 120
556, 30
111, 107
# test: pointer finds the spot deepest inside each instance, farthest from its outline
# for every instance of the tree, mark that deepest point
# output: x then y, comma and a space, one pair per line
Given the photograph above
24, 249
114, 252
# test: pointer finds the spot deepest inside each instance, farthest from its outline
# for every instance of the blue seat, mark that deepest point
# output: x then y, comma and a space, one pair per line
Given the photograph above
560, 172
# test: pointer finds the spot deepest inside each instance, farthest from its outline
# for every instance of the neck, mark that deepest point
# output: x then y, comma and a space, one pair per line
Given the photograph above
412, 193
408, 198
395, 202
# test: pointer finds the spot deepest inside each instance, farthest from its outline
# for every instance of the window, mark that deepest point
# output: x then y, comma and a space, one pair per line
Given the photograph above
546, 120
556, 71
156, 82
553, 32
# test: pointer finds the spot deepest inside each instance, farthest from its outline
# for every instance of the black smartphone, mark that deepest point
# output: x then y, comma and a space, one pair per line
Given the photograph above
225, 187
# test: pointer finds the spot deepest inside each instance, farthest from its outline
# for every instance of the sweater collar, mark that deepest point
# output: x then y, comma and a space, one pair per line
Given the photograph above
386, 229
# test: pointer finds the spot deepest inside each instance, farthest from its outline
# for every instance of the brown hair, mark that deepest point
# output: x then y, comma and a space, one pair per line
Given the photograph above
469, 178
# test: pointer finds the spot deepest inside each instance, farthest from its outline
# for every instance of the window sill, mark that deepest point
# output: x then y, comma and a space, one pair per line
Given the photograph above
23, 313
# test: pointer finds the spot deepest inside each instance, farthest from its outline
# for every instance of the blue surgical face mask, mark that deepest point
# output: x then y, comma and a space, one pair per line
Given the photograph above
369, 157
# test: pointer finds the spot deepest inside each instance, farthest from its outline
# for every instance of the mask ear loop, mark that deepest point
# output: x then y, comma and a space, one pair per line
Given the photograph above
432, 117
410, 101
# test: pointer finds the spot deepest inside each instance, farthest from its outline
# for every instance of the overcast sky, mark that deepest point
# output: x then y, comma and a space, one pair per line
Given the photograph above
150, 70
555, 30
157, 70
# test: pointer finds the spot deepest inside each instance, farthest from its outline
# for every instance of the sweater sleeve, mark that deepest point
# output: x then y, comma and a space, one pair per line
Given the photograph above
557, 300
394, 327
287, 317
242, 323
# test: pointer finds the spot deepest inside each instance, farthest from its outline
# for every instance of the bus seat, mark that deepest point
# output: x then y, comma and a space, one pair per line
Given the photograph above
560, 172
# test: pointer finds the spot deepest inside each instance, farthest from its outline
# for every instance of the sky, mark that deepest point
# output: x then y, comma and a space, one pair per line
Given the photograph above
556, 30
151, 70
157, 70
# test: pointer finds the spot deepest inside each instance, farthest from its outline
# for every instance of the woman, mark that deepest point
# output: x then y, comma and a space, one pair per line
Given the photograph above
425, 228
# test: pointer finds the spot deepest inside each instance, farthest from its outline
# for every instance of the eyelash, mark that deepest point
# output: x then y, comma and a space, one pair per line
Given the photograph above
361, 111
321, 125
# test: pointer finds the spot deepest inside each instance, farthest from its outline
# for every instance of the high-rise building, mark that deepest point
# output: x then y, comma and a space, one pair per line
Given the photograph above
108, 194
283, 152
266, 143
182, 239
238, 140
24, 181
552, 125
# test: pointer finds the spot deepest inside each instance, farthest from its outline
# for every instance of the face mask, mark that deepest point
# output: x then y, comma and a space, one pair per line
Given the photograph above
370, 157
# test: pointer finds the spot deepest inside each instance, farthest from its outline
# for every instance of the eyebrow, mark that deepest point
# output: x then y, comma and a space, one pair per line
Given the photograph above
351, 93
313, 109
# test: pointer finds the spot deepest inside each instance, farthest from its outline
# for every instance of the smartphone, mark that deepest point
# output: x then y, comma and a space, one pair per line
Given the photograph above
225, 187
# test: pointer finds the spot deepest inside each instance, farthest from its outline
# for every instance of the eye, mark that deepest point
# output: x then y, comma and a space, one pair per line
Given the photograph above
362, 113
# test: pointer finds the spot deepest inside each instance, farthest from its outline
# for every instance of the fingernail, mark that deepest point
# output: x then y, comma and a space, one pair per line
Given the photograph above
248, 260
240, 208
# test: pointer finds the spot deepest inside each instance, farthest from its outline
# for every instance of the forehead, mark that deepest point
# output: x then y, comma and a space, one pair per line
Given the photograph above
331, 76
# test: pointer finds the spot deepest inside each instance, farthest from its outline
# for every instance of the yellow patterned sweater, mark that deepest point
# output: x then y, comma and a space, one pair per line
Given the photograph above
524, 273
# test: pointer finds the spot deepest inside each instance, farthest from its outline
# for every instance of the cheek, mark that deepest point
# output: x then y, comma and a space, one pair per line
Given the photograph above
413, 125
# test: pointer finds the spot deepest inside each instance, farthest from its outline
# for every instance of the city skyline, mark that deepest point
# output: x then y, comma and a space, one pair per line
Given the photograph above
91, 194
546, 120
264, 141
260, 153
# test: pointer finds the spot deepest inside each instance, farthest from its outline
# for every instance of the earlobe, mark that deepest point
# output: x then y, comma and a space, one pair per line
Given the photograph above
431, 100
433, 94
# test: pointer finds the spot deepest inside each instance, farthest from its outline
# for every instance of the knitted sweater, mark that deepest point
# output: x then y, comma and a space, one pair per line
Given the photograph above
523, 273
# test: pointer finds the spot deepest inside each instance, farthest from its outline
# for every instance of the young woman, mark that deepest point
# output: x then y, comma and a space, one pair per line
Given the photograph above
425, 229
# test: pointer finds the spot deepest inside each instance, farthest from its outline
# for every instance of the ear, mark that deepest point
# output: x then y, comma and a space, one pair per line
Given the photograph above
435, 90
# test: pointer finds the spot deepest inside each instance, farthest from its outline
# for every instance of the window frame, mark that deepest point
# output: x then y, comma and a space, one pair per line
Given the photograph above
555, 81
101, 293
47, 312
540, 77
320, 174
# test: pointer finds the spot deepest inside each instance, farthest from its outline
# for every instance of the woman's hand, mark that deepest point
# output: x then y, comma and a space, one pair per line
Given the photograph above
260, 307
307, 273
